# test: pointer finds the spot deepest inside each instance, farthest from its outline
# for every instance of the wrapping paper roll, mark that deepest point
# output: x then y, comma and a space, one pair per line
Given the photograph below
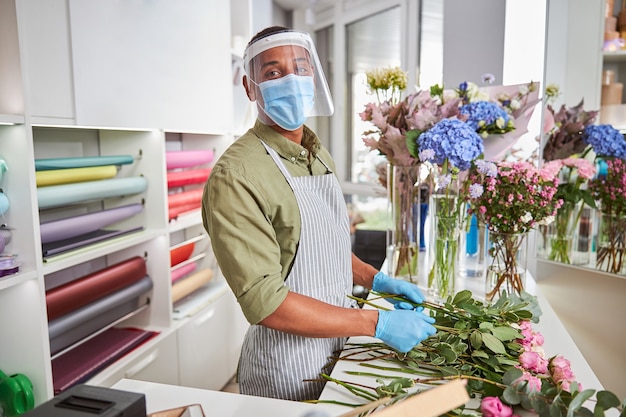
60, 246
99, 307
78, 293
181, 253
61, 195
174, 212
186, 286
86, 360
182, 178
81, 162
82, 330
4, 203
183, 271
86, 223
72, 175
186, 159
184, 198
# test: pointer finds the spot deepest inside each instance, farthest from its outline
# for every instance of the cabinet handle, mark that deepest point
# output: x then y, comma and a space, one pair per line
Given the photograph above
142, 364
205, 317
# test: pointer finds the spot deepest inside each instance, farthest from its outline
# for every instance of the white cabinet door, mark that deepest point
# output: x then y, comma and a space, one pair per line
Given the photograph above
158, 64
204, 343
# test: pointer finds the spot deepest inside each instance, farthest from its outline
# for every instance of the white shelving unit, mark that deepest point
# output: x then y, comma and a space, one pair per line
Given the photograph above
112, 79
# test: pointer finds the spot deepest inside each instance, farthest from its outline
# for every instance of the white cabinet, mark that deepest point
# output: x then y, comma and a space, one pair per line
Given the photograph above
101, 78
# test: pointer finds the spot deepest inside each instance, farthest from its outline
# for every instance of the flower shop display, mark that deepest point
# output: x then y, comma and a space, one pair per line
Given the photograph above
510, 198
610, 192
566, 236
493, 347
450, 147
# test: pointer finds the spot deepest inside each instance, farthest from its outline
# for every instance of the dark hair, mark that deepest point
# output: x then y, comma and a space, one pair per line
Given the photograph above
269, 31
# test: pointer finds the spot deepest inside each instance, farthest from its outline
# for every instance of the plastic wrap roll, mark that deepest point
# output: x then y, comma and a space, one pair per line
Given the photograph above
82, 161
5, 239
61, 195
181, 253
78, 293
182, 178
68, 176
97, 308
186, 286
86, 223
174, 212
184, 198
187, 159
184, 270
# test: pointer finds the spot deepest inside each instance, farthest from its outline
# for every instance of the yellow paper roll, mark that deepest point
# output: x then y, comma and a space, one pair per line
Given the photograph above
186, 286
71, 175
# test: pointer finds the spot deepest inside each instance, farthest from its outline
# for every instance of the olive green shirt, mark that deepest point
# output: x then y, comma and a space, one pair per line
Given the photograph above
252, 216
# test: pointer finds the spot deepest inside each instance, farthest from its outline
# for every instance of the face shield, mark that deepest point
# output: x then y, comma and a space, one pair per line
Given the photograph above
286, 79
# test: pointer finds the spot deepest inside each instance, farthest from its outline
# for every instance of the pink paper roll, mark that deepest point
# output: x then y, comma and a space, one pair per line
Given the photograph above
184, 270
186, 159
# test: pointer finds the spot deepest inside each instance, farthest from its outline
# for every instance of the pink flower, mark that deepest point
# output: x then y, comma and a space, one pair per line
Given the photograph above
533, 361
493, 407
533, 383
551, 169
561, 371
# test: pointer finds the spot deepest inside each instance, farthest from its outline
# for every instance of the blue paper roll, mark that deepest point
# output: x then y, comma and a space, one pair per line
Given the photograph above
86, 223
471, 247
81, 162
66, 194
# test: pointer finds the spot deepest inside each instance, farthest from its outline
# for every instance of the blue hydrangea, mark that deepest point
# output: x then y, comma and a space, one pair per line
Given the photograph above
483, 115
605, 141
453, 140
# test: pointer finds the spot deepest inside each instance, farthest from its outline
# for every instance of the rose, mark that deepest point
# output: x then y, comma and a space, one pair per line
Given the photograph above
533, 361
561, 372
493, 407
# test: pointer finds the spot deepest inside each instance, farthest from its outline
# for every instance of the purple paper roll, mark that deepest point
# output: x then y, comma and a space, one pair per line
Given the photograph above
186, 159
86, 223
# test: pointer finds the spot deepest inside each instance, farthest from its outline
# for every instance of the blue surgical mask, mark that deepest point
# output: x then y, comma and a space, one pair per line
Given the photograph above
288, 100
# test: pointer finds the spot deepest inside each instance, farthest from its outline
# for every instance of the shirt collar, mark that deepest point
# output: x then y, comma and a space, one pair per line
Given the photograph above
286, 148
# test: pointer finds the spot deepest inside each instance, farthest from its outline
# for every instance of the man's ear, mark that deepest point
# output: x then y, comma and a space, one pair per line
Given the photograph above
249, 92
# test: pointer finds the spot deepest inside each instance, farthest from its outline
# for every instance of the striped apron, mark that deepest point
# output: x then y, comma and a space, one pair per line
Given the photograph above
275, 364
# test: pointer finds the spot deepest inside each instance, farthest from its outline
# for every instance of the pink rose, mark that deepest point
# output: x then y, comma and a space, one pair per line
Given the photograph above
493, 407
533, 361
551, 169
561, 371
534, 383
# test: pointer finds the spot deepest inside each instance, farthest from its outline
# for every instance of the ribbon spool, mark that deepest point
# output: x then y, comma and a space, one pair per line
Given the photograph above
5, 238
16, 394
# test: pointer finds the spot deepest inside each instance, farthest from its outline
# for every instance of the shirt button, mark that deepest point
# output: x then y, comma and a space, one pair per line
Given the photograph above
303, 152
293, 159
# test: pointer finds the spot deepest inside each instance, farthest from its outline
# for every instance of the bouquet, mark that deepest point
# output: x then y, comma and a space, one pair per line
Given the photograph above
493, 347
564, 131
510, 198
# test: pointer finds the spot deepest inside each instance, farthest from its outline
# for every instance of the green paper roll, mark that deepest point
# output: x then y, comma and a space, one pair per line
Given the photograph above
82, 161
72, 175
66, 194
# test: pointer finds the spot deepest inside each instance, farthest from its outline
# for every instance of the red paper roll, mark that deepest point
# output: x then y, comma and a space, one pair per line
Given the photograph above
181, 253
181, 178
73, 295
184, 198
174, 212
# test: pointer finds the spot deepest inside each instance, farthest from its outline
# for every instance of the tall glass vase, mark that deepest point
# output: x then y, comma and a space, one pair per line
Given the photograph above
611, 244
447, 211
403, 232
506, 264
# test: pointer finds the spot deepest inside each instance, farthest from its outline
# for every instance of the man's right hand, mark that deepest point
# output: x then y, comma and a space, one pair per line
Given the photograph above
404, 329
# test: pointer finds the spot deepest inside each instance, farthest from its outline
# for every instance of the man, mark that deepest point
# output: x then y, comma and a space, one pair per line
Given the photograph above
280, 232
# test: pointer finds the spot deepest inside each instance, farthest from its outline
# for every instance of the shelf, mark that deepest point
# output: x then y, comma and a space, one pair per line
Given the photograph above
619, 56
199, 299
75, 257
16, 279
11, 119
185, 220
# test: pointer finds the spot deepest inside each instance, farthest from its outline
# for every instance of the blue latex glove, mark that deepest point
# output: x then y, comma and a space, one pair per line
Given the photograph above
384, 283
403, 329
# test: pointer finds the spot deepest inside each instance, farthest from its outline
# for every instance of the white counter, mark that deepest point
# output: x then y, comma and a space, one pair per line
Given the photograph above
160, 397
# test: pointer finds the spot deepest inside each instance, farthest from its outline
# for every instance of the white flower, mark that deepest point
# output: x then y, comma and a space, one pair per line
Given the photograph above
546, 221
527, 218
515, 104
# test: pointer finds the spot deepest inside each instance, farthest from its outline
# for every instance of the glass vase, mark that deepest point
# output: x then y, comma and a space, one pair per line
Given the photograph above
472, 249
611, 244
447, 212
505, 264
403, 231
